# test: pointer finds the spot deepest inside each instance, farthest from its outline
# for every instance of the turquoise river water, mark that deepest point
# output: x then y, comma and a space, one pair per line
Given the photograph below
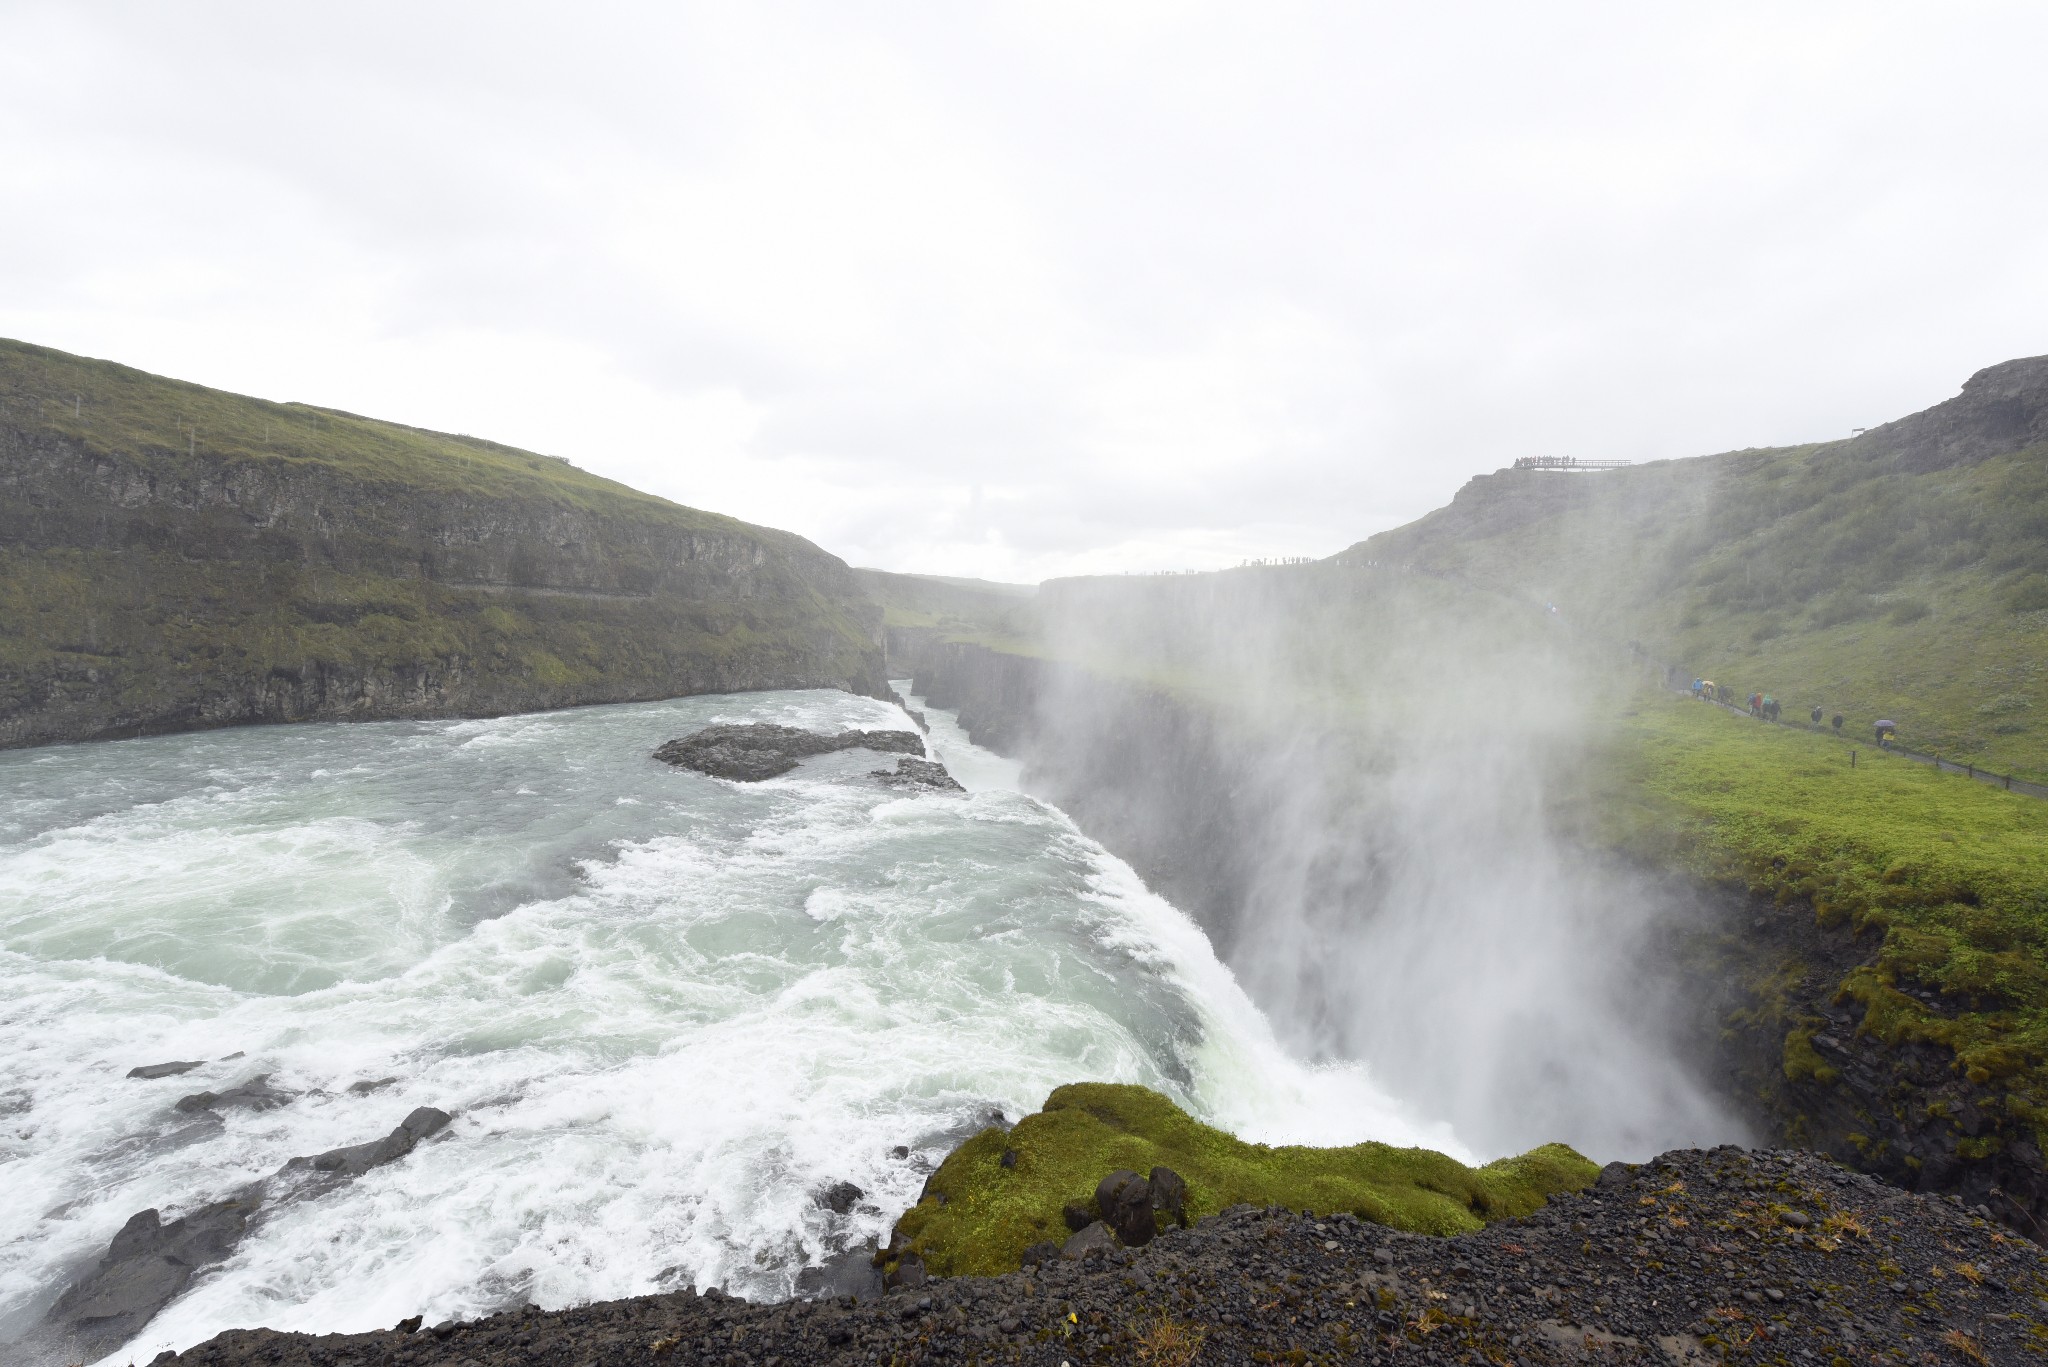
665, 1010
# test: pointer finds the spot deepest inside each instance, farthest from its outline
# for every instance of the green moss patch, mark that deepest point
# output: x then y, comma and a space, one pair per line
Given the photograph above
977, 1216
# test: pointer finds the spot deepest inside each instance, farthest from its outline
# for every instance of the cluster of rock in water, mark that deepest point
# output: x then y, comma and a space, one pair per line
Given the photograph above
751, 752
151, 1261
1720, 1255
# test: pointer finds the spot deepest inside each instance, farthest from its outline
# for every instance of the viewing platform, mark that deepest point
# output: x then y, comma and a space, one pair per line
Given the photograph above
1567, 463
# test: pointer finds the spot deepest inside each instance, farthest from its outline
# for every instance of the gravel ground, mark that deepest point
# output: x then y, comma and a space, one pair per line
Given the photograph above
1699, 1256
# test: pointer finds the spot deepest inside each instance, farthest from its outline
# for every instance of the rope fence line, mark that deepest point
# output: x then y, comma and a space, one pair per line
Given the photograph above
2005, 781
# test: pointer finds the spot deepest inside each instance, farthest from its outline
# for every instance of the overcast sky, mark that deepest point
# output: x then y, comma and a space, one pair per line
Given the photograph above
1019, 290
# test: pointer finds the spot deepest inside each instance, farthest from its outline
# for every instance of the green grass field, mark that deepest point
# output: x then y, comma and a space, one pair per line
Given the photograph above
1952, 873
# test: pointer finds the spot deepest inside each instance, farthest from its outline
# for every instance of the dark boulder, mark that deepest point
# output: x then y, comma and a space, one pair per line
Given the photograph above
1169, 1195
1077, 1216
760, 750
256, 1095
1125, 1200
146, 1266
841, 1197
157, 1070
357, 1159
927, 775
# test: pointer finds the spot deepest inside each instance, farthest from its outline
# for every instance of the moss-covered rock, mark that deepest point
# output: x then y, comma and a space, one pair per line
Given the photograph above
978, 1215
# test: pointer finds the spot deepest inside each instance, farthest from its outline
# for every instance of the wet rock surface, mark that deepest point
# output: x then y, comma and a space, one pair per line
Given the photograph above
152, 1071
1701, 1256
150, 1261
255, 1095
148, 1264
760, 750
357, 1159
924, 774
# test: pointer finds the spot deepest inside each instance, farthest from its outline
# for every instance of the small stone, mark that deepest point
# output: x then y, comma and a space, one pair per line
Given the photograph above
1093, 1241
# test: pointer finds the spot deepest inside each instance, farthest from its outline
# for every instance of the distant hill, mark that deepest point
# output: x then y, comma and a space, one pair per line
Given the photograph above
174, 557
1902, 573
919, 609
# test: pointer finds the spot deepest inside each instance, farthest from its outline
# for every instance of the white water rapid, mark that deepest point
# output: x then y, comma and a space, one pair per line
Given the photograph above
665, 1010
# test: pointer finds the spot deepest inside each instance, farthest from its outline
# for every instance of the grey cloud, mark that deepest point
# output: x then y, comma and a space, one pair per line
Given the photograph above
1164, 283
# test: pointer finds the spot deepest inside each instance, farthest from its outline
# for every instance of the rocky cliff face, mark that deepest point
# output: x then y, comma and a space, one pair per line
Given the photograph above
2002, 409
339, 568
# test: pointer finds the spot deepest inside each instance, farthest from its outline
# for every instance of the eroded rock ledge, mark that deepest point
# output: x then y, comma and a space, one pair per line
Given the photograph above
1700, 1256
760, 750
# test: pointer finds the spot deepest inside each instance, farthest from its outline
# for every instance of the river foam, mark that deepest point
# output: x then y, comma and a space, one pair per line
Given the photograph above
665, 1010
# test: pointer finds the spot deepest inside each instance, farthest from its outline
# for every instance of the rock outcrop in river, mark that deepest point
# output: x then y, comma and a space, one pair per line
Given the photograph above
174, 557
758, 750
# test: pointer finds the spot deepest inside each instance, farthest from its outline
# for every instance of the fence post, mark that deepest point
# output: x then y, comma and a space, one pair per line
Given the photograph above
1852, 757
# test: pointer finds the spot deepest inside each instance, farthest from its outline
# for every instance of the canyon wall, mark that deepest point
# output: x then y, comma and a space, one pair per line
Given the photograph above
1747, 980
283, 563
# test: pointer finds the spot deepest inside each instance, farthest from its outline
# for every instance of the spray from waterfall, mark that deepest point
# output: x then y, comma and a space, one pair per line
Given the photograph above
1374, 787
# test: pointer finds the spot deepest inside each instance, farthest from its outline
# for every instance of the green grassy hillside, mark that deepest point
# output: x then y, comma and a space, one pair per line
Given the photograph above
1902, 574
1951, 875
966, 606
174, 556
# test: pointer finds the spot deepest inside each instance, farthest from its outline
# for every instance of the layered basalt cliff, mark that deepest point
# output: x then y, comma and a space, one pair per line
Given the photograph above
173, 557
1777, 999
